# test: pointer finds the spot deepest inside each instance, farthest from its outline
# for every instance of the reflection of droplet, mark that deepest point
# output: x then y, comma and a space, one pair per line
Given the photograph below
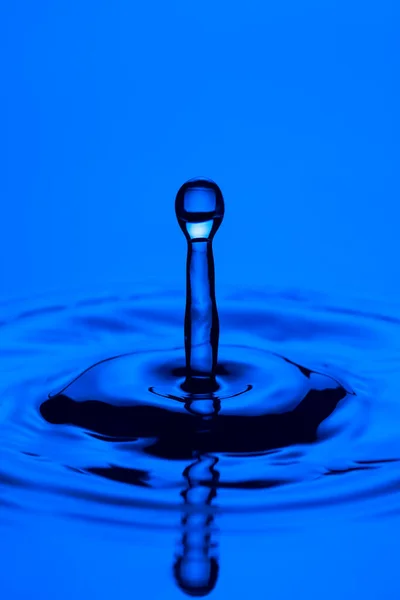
199, 208
196, 576
196, 568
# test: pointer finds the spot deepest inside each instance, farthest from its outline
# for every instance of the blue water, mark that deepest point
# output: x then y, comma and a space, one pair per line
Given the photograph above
301, 439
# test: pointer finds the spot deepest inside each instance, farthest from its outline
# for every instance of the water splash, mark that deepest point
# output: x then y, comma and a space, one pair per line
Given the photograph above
315, 437
296, 421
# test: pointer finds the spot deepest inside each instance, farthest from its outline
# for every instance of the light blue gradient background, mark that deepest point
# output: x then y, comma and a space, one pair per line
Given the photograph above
292, 107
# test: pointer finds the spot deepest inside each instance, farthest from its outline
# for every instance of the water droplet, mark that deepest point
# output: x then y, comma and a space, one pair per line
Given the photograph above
199, 207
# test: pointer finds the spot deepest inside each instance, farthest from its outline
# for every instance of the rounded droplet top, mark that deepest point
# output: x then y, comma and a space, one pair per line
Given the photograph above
199, 207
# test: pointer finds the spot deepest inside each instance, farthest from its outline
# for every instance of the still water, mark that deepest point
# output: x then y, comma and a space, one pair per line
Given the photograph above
114, 481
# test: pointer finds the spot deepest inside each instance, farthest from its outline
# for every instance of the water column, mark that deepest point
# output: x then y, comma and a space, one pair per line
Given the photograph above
199, 208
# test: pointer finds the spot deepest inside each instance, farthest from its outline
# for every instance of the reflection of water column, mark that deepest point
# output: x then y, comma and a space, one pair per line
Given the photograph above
196, 567
199, 207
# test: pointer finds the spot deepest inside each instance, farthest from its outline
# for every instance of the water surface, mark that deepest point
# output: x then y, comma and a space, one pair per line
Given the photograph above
302, 431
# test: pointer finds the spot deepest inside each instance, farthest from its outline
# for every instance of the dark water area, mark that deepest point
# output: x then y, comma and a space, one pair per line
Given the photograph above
113, 478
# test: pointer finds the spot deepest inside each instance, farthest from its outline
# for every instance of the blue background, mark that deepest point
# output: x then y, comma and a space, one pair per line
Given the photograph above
106, 108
